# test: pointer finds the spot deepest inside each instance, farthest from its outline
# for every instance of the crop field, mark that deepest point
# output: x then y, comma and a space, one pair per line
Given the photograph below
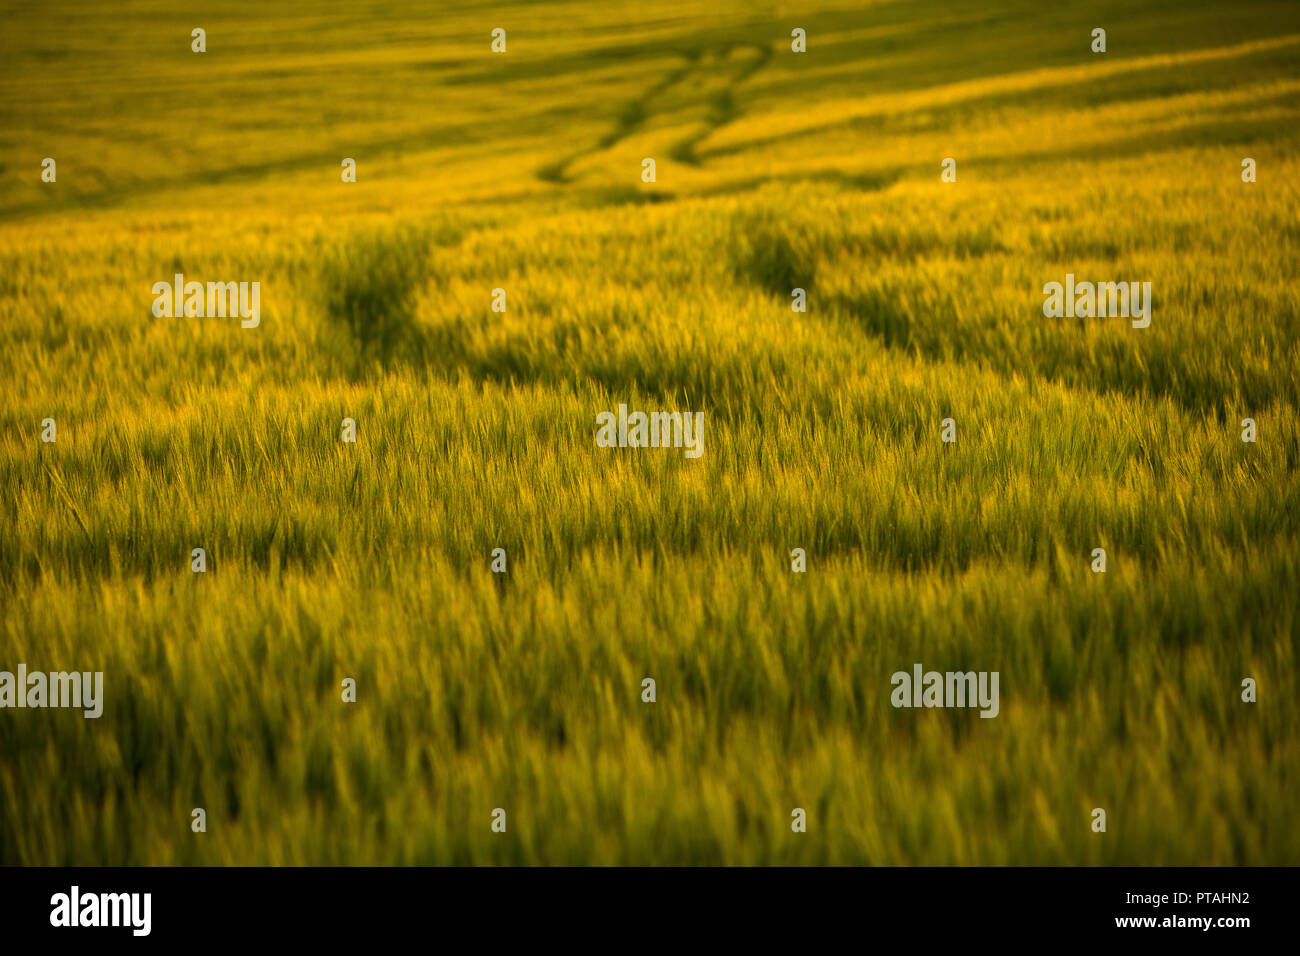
941, 456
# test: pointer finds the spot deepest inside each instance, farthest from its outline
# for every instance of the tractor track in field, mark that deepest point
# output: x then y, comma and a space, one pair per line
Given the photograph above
633, 115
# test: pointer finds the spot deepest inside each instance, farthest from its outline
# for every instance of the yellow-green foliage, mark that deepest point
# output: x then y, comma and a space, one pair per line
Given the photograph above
476, 430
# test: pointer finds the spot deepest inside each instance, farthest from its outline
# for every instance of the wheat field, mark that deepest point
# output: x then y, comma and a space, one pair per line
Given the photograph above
475, 430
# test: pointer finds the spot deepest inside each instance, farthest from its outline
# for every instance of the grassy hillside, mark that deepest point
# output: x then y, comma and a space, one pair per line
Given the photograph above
476, 430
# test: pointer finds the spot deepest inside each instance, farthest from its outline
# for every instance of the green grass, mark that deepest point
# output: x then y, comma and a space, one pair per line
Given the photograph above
822, 431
